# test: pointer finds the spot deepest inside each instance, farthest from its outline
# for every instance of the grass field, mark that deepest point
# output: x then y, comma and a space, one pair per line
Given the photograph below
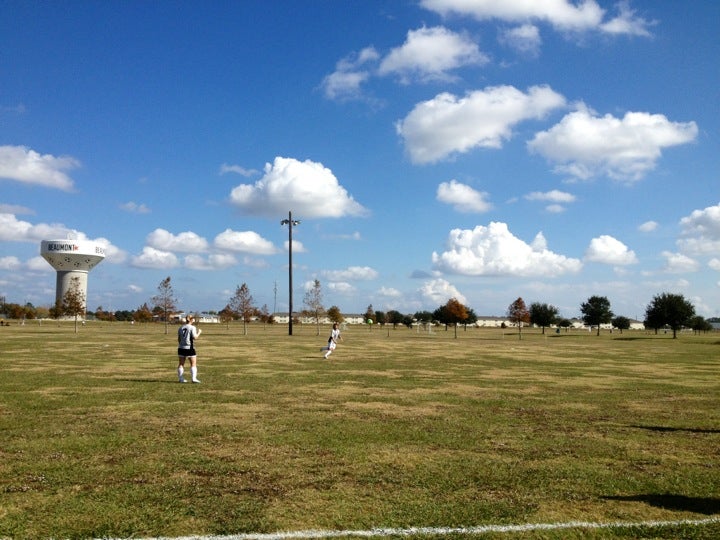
399, 429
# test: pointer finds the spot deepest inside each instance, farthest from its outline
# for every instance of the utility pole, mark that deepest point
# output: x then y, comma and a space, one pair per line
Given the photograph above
290, 223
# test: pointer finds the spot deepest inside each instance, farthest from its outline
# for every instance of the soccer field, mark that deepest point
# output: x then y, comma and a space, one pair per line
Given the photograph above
400, 430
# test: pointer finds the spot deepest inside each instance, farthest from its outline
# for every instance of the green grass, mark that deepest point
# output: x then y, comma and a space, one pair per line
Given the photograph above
399, 429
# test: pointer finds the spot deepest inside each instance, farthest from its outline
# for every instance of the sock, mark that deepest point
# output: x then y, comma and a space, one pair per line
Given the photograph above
193, 370
180, 372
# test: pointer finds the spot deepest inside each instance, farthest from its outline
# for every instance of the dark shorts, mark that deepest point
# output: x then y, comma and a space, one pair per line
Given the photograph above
187, 352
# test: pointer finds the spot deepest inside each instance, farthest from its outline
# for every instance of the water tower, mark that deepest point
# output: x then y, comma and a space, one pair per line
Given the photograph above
72, 259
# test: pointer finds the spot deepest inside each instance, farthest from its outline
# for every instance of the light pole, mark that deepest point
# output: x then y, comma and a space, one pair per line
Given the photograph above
290, 223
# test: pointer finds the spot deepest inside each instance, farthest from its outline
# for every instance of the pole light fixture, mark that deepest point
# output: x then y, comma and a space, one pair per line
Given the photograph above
290, 222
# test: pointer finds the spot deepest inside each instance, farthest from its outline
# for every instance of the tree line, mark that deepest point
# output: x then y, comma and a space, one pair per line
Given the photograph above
665, 311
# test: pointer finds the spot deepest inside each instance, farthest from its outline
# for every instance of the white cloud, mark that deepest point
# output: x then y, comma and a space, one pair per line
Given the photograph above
714, 264
389, 292
438, 291
212, 262
584, 145
608, 250
307, 187
237, 169
429, 53
10, 263
341, 287
38, 264
155, 258
447, 124
15, 209
297, 246
28, 166
244, 242
525, 39
349, 75
185, 242
700, 233
677, 263
494, 251
648, 226
554, 195
562, 14
14, 230
135, 208
462, 197
352, 273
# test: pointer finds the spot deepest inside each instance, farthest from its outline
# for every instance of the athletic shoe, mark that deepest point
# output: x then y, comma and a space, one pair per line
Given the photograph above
196, 381
182, 380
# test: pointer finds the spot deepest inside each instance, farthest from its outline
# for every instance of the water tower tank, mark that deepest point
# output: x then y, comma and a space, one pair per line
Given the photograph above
71, 259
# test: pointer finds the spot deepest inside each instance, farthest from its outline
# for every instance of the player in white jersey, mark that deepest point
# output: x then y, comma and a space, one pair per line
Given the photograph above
332, 340
187, 334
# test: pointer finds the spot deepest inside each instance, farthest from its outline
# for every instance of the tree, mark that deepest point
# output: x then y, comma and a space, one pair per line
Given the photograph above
241, 304
73, 301
226, 315
394, 317
335, 315
369, 315
596, 311
380, 317
543, 315
621, 323
265, 315
143, 314
699, 324
452, 313
669, 309
164, 301
517, 312
313, 300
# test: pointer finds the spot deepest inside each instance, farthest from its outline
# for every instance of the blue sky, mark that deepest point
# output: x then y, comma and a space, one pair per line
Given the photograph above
476, 149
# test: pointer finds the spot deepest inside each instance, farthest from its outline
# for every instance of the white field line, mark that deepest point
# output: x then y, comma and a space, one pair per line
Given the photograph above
419, 531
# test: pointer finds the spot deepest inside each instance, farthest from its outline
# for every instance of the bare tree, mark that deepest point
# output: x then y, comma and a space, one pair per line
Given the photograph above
313, 300
242, 306
165, 300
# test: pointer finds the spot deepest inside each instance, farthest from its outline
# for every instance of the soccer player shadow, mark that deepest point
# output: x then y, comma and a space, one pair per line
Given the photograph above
670, 501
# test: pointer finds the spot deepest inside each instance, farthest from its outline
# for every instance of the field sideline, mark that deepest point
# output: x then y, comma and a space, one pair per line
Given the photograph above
401, 432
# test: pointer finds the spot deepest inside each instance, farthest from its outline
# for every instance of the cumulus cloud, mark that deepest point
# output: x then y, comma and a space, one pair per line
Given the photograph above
608, 250
215, 261
341, 287
462, 197
30, 167
351, 273
135, 208
244, 242
185, 242
448, 124
555, 197
585, 146
10, 263
525, 39
308, 187
495, 251
14, 230
563, 15
237, 169
439, 291
155, 258
429, 53
648, 226
349, 75
677, 263
714, 264
700, 232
